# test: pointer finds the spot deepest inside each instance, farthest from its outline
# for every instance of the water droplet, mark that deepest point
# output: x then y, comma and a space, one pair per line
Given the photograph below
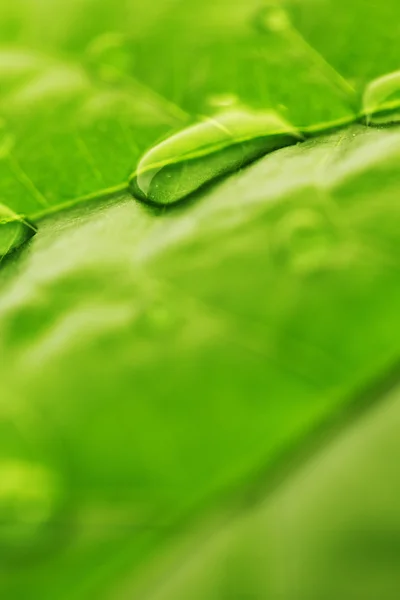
274, 18
381, 100
305, 241
111, 56
15, 230
29, 497
203, 152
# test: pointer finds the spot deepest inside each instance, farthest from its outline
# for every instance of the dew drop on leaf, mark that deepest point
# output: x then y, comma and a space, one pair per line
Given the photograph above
381, 100
29, 498
15, 230
202, 152
274, 18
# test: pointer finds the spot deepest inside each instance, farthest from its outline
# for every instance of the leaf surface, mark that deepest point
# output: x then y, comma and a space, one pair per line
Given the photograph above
157, 364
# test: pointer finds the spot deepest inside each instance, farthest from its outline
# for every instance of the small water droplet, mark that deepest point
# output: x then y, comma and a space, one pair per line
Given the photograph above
29, 496
305, 241
381, 100
203, 152
110, 56
274, 18
14, 231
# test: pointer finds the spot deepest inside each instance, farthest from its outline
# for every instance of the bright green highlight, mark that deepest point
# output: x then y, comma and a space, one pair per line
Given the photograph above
29, 497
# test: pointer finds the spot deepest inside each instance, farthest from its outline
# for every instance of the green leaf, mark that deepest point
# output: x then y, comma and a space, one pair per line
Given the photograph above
89, 136
97, 116
328, 531
155, 361
159, 365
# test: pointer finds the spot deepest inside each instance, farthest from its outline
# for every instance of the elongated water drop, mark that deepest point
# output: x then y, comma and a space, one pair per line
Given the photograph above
15, 230
203, 152
381, 100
